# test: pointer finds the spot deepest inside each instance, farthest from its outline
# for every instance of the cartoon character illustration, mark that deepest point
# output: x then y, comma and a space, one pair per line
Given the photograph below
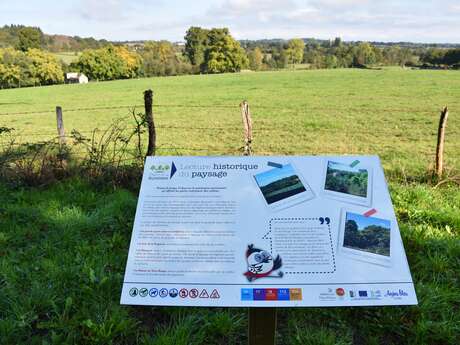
261, 264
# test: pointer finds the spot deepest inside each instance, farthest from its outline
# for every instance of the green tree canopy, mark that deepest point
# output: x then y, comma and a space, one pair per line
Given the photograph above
161, 59
30, 38
223, 53
256, 59
34, 67
214, 51
46, 69
109, 63
295, 50
196, 41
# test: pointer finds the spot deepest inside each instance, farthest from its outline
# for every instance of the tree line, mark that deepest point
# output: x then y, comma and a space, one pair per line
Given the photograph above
23, 37
205, 51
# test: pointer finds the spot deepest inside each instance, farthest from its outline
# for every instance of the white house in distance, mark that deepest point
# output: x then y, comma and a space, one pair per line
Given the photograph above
76, 78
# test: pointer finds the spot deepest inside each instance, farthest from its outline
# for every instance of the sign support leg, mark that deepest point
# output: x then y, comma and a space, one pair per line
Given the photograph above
262, 326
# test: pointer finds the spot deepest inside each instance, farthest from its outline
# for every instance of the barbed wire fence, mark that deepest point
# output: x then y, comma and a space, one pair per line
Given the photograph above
25, 137
246, 131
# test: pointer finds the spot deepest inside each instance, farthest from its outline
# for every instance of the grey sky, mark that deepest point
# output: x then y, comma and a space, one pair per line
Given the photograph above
390, 20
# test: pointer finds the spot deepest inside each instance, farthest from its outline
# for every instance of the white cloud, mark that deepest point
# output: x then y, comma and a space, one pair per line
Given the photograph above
102, 10
390, 20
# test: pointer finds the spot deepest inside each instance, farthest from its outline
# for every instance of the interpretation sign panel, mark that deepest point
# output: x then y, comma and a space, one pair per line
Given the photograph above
266, 231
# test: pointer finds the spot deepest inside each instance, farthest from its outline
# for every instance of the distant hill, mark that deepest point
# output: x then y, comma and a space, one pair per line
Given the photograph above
279, 42
9, 37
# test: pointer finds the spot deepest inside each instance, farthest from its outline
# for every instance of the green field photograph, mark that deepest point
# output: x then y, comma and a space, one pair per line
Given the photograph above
339, 78
342, 178
279, 183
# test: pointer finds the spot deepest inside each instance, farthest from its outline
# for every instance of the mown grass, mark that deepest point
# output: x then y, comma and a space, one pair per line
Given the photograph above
392, 112
62, 257
63, 247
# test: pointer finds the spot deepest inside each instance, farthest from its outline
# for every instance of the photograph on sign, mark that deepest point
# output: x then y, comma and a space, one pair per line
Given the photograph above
282, 186
348, 181
304, 231
365, 237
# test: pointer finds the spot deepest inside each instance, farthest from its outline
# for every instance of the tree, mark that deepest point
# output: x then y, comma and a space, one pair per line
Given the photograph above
363, 54
337, 42
109, 63
452, 57
330, 61
10, 76
256, 59
223, 53
29, 38
160, 59
131, 62
295, 51
196, 40
46, 69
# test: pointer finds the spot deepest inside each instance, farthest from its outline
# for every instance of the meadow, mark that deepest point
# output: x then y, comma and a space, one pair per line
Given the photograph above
67, 57
392, 112
63, 246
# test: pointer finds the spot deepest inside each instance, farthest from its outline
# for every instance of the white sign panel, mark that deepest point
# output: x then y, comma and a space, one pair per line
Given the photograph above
266, 231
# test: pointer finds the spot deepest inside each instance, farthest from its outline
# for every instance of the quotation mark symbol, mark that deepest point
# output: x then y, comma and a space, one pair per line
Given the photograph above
322, 220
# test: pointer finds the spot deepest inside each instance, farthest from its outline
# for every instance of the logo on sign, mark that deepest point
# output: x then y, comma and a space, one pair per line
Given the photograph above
153, 292
204, 294
133, 292
193, 293
399, 293
362, 293
163, 293
340, 292
183, 293
215, 294
143, 292
262, 264
162, 171
173, 293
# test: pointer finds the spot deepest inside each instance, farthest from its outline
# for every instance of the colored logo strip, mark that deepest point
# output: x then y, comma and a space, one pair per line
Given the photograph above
269, 294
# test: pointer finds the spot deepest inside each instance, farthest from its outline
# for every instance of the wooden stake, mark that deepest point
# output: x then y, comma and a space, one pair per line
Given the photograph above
148, 102
440, 146
60, 126
247, 124
262, 326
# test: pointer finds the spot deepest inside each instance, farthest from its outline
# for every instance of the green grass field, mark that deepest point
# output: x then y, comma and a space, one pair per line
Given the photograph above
393, 113
63, 247
67, 57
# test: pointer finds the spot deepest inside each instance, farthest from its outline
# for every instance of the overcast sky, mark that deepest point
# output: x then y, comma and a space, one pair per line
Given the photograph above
374, 20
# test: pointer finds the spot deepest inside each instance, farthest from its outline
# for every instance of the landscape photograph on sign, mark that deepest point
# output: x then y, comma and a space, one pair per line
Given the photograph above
343, 178
367, 234
279, 183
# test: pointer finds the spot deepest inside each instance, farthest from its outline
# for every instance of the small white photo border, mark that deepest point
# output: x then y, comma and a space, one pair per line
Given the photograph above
348, 198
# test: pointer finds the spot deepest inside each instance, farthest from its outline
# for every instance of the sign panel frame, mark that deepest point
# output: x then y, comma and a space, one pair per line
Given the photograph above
266, 232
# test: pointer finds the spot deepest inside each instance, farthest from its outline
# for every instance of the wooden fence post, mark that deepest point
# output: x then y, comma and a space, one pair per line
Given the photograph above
60, 126
262, 326
148, 103
440, 146
247, 124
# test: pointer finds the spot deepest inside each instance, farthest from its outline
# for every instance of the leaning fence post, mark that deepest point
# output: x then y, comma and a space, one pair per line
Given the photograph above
440, 146
247, 124
148, 102
60, 126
